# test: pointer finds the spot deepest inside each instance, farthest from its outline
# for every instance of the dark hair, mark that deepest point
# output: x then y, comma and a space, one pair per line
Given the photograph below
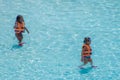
19, 19
87, 39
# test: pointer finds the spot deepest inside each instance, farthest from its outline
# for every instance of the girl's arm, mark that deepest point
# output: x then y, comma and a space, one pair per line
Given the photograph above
15, 25
82, 57
27, 30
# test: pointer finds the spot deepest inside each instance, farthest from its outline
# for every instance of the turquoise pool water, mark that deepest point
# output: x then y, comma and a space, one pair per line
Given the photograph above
57, 29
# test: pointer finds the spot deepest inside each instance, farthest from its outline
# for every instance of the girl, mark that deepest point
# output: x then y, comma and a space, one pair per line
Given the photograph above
86, 52
19, 29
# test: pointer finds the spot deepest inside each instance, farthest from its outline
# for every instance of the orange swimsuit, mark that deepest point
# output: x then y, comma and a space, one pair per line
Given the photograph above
88, 53
19, 27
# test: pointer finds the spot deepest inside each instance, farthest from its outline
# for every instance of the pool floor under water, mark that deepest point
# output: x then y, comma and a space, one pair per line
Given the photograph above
57, 29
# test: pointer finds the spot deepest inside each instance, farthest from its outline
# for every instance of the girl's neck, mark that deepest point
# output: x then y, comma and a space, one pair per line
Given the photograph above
87, 44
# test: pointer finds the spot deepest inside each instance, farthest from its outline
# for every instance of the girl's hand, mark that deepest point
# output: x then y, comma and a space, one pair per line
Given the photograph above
28, 32
82, 59
90, 53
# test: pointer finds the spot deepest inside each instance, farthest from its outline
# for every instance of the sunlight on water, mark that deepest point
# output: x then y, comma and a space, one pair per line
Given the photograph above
57, 29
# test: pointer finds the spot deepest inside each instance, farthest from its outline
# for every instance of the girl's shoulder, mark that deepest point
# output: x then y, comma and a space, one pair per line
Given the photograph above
85, 46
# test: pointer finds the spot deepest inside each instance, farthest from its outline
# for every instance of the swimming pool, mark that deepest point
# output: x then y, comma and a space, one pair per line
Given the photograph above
57, 29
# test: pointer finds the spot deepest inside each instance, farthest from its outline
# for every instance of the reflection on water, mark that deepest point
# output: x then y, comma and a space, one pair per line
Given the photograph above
85, 70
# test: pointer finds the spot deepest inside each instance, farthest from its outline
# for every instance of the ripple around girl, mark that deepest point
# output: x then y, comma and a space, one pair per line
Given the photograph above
19, 28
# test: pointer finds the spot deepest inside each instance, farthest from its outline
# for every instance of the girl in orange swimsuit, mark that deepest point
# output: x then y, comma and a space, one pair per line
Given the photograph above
86, 52
19, 28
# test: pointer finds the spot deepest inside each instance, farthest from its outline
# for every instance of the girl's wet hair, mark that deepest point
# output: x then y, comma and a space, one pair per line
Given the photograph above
87, 39
19, 19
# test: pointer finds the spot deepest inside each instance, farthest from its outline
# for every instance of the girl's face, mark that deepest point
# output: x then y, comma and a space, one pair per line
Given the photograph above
19, 18
88, 42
